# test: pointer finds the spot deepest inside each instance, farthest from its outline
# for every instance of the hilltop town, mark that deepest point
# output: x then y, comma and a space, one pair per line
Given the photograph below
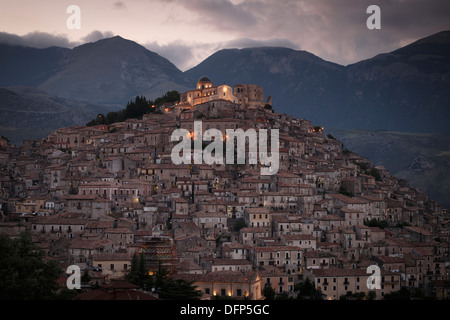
97, 195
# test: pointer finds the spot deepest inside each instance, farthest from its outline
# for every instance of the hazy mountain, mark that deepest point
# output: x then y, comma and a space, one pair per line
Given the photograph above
27, 113
24, 66
420, 158
405, 90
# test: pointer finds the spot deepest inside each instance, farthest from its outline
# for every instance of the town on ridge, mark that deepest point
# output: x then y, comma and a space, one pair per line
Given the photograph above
95, 196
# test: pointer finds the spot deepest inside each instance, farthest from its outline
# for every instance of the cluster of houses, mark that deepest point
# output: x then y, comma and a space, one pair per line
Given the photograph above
95, 196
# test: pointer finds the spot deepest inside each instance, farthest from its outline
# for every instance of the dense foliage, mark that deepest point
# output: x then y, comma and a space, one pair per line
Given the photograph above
161, 282
24, 274
135, 109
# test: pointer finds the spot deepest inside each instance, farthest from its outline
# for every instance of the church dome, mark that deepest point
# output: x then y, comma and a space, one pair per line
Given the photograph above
204, 83
204, 79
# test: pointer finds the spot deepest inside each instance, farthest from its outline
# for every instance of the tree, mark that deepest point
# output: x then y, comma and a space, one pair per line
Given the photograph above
268, 292
86, 278
376, 223
402, 294
353, 296
179, 289
136, 109
138, 274
173, 289
240, 223
306, 290
24, 274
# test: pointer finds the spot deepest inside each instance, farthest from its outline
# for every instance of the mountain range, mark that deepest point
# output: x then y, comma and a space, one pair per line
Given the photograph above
404, 90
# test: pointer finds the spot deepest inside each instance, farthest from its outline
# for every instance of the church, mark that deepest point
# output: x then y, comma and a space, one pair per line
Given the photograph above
246, 95
209, 99
206, 92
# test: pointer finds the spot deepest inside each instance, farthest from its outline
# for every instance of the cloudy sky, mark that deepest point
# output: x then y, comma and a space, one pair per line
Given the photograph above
188, 31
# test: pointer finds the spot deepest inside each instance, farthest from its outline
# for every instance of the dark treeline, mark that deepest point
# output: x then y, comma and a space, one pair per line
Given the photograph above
135, 109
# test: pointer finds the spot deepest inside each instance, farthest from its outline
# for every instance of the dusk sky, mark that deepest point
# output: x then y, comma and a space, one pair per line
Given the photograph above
188, 31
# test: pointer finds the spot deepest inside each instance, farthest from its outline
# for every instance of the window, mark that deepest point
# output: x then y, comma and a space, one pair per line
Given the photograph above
112, 266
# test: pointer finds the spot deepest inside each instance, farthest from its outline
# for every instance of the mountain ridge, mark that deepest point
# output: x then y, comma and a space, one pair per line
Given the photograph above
403, 90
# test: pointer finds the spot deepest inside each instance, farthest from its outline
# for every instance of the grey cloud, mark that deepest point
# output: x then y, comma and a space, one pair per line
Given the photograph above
333, 30
247, 42
36, 39
182, 54
219, 15
97, 35
186, 55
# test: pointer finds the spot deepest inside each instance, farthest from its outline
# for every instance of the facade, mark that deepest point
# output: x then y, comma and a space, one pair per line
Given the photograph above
113, 265
234, 284
335, 282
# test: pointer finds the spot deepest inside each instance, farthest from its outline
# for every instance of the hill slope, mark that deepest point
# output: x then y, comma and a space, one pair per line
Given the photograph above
27, 113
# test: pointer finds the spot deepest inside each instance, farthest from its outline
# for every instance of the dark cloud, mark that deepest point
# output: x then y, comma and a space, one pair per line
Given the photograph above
36, 39
333, 30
